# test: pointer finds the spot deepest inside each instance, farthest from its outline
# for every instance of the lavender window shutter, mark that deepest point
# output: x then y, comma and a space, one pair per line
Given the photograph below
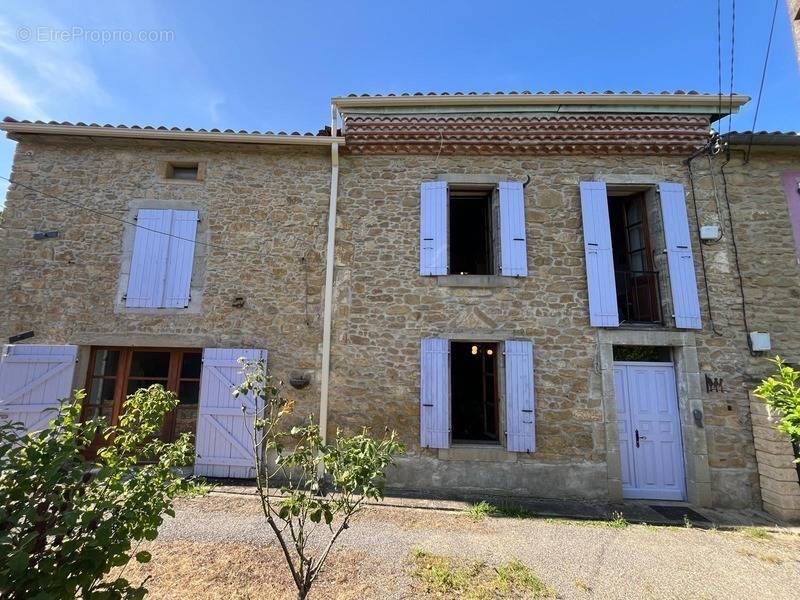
435, 393
520, 416
791, 185
683, 280
513, 246
599, 257
180, 259
433, 228
149, 259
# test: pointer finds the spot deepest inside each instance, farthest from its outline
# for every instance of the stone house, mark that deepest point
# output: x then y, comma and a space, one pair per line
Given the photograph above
556, 295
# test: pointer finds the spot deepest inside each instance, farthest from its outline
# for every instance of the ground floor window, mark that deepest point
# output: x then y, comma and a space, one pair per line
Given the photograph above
116, 372
474, 402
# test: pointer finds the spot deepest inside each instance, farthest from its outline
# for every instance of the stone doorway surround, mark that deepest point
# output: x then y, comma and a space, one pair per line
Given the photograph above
687, 375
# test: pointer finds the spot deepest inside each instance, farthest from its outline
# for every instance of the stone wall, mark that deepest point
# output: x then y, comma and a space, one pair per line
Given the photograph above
385, 308
266, 206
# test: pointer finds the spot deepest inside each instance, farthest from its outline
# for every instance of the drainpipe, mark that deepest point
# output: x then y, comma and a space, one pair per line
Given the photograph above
327, 316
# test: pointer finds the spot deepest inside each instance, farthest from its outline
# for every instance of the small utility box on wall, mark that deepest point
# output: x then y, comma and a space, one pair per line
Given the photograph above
709, 233
759, 342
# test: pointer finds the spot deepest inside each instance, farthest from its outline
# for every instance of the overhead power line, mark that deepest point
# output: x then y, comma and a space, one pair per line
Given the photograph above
126, 221
763, 77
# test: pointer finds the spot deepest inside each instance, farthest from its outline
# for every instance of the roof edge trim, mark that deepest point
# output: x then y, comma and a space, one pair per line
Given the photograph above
11, 127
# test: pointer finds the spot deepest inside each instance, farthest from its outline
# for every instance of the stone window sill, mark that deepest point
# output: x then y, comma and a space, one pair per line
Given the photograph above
475, 281
478, 453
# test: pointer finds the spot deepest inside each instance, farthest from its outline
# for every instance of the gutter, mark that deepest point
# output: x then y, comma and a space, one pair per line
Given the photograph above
168, 134
703, 103
327, 318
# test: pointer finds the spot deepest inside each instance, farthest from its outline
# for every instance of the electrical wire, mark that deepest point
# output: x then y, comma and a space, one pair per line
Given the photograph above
719, 55
702, 255
733, 46
761, 87
126, 221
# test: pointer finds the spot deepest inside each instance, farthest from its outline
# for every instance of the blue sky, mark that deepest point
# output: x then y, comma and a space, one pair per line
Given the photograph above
274, 65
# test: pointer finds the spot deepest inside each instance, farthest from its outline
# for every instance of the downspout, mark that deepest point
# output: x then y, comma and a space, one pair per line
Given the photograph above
327, 315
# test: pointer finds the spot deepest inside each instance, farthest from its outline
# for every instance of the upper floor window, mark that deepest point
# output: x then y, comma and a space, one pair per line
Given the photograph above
472, 230
183, 171
162, 259
623, 284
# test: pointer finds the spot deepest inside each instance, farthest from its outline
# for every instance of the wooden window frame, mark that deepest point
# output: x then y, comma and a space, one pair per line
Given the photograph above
122, 378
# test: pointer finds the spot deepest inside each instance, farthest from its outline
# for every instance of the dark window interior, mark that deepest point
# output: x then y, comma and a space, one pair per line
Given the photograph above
471, 232
115, 373
184, 171
642, 353
474, 405
637, 283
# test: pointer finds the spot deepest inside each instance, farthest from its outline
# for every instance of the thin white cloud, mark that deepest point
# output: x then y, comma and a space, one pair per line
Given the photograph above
38, 78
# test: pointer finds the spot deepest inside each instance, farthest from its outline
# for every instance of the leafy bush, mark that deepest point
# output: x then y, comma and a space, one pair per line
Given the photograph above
65, 521
296, 501
782, 393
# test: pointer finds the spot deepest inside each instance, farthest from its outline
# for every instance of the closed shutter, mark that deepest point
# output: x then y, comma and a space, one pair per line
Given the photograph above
599, 258
224, 444
149, 260
520, 417
435, 394
163, 255
433, 228
683, 281
33, 379
513, 246
180, 259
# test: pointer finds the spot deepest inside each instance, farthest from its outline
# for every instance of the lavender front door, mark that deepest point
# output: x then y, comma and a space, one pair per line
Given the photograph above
649, 431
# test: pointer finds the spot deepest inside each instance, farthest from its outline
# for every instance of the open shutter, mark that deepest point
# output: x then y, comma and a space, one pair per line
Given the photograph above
520, 416
33, 379
433, 228
791, 185
599, 258
149, 260
435, 394
180, 258
685, 301
513, 247
224, 444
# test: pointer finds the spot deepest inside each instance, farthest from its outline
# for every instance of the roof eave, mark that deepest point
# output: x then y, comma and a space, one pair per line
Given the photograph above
157, 134
763, 139
706, 104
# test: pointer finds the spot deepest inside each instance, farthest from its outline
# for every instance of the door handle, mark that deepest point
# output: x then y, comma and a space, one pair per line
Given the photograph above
639, 437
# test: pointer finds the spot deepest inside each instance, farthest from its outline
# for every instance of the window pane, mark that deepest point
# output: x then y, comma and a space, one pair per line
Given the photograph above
189, 392
634, 212
635, 239
100, 401
136, 384
190, 365
150, 364
105, 362
637, 261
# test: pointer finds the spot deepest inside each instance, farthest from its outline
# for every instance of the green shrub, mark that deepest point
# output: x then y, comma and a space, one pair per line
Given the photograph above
782, 393
66, 522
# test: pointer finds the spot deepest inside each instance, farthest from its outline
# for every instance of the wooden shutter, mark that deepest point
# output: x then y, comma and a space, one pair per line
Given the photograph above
683, 281
149, 260
433, 228
224, 444
513, 246
599, 258
180, 258
435, 394
791, 185
520, 416
33, 379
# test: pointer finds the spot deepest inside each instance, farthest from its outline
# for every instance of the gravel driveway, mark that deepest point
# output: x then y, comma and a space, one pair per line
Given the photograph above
579, 560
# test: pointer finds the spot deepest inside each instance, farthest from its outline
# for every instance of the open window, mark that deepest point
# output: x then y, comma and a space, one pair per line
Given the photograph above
473, 229
472, 226
638, 299
474, 403
114, 373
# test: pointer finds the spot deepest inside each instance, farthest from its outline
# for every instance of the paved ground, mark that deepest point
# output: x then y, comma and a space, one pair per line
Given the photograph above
219, 547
